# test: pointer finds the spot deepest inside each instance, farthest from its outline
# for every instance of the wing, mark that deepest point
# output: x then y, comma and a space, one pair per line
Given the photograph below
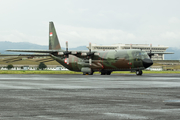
79, 54
35, 51
62, 53
8, 58
11, 58
152, 53
161, 52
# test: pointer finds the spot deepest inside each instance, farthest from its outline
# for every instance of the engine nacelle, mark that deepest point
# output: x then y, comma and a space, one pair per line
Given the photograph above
86, 70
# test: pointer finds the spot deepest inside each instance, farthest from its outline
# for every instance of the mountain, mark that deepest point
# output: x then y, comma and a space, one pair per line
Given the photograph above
175, 56
78, 48
4, 45
20, 45
25, 45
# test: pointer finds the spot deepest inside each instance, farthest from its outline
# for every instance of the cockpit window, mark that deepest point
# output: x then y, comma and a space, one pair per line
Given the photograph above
136, 54
144, 55
140, 54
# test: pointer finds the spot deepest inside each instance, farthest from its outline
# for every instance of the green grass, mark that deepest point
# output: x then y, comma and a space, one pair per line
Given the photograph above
71, 72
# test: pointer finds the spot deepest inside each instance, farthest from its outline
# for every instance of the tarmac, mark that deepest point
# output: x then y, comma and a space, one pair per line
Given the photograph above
93, 97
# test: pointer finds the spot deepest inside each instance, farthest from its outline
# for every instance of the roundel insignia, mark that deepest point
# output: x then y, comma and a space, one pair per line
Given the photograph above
50, 34
65, 60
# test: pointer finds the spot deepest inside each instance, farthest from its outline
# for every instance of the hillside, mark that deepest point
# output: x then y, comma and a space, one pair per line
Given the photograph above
25, 45
175, 56
4, 45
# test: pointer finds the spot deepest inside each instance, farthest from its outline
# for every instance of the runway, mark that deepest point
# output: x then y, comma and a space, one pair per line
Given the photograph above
79, 97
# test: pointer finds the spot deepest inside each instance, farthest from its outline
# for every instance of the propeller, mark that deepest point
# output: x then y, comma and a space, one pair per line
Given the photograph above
90, 57
130, 46
89, 54
150, 54
66, 53
150, 50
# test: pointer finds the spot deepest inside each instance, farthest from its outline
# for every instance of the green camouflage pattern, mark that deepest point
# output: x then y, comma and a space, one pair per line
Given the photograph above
103, 61
53, 38
114, 60
121, 60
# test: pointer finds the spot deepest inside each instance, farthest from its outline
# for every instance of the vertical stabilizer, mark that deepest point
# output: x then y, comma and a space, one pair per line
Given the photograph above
53, 39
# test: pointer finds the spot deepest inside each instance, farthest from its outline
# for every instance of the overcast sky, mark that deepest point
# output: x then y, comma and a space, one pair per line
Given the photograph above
102, 22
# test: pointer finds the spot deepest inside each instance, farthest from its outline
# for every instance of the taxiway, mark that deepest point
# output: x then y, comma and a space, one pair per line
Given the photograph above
75, 97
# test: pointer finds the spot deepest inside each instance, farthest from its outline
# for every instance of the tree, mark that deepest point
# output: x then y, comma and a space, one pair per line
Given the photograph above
10, 66
42, 66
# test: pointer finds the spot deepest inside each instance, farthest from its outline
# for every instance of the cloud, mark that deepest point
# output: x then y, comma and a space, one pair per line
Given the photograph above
16, 36
102, 22
174, 20
8, 6
171, 35
82, 36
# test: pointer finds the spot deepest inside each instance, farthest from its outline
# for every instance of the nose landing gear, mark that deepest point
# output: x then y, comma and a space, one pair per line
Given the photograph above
139, 72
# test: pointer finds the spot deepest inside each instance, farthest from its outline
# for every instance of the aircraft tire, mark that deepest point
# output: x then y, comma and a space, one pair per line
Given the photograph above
88, 73
108, 73
85, 73
91, 73
103, 73
139, 72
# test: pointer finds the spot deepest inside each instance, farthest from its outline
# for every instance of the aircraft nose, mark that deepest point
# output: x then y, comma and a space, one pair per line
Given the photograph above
147, 62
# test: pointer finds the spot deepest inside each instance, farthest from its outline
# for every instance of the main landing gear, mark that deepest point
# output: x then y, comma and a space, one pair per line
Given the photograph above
91, 73
139, 72
106, 72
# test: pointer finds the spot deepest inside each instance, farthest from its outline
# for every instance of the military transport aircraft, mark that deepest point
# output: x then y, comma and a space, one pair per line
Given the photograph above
89, 62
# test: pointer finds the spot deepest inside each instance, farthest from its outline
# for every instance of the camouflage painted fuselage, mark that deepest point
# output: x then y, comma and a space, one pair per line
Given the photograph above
120, 60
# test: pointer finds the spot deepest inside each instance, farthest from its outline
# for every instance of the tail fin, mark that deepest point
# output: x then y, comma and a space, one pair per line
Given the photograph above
53, 39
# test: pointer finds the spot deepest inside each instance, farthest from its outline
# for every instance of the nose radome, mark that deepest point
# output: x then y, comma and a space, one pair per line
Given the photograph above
147, 62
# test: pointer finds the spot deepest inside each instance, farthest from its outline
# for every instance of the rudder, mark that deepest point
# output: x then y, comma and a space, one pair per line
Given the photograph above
53, 38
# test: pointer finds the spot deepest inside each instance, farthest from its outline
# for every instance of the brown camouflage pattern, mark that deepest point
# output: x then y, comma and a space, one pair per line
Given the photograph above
122, 60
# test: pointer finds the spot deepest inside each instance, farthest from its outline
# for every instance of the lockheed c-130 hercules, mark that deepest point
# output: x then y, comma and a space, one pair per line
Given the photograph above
89, 62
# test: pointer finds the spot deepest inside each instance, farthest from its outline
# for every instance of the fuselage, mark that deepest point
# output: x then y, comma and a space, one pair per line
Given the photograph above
115, 60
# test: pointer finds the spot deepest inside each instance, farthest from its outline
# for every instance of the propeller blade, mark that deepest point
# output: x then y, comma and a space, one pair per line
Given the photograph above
83, 54
90, 61
90, 47
150, 51
66, 45
97, 54
131, 46
150, 48
68, 61
90, 56
73, 52
60, 53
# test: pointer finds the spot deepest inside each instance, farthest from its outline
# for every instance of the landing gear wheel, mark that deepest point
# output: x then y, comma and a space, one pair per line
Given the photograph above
91, 73
108, 72
139, 72
86, 73
103, 73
